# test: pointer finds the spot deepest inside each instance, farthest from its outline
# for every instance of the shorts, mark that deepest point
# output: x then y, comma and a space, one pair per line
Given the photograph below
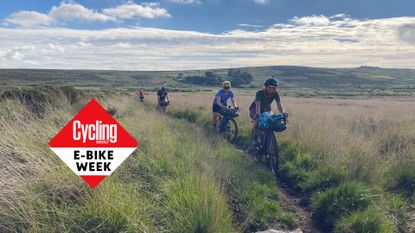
216, 108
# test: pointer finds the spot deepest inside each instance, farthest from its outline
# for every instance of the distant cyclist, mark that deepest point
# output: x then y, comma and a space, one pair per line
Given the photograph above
221, 101
141, 95
263, 101
163, 99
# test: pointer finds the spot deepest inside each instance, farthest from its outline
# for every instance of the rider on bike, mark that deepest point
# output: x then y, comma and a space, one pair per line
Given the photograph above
141, 94
221, 101
163, 99
262, 103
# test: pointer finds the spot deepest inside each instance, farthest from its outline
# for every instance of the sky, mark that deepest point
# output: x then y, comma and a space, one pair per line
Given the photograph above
205, 34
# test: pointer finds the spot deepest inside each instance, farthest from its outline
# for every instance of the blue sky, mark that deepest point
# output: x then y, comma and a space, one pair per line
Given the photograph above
188, 34
216, 16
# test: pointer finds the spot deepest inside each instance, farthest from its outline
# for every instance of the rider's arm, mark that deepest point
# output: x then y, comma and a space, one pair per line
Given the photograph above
280, 107
233, 103
257, 107
218, 102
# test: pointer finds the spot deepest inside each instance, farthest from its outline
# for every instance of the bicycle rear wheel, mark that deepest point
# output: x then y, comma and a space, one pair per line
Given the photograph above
272, 154
231, 131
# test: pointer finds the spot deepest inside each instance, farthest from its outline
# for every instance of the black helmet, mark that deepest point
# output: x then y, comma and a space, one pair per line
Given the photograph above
271, 82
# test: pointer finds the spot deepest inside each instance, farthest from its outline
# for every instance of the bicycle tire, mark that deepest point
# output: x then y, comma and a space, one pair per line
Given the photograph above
233, 134
272, 154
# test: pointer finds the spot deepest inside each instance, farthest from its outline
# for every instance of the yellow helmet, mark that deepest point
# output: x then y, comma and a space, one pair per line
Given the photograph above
226, 84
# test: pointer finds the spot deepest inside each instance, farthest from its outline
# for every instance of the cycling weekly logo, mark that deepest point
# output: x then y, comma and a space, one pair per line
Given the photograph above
93, 144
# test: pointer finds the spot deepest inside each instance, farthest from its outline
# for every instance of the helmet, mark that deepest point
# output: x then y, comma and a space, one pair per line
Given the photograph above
271, 82
226, 84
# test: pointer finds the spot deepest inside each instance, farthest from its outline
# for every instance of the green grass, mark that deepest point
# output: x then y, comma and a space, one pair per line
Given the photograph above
340, 201
340, 195
179, 180
371, 220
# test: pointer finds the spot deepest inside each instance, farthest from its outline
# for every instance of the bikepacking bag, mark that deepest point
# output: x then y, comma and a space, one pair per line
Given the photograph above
230, 112
264, 120
278, 122
275, 122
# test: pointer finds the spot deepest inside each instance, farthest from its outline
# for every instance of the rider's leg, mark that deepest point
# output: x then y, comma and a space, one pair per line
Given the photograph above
254, 132
214, 119
215, 115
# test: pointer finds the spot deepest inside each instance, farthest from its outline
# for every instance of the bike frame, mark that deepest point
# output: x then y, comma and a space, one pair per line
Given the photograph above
265, 142
224, 119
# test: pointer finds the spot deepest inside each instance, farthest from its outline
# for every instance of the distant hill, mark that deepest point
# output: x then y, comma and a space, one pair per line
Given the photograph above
295, 80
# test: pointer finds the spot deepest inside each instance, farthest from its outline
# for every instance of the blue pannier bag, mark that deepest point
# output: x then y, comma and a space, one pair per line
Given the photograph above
264, 120
275, 122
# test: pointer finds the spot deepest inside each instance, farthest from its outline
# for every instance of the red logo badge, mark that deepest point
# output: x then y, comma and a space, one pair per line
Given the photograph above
93, 144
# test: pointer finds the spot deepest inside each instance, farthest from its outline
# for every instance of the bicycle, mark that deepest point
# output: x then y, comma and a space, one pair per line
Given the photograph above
266, 141
227, 124
162, 106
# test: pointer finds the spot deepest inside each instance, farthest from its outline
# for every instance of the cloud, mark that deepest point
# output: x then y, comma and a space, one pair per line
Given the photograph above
315, 20
70, 11
185, 1
74, 12
262, 2
30, 19
14, 56
247, 25
131, 10
407, 33
340, 42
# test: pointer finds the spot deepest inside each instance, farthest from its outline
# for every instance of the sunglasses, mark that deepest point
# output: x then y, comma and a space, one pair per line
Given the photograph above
227, 87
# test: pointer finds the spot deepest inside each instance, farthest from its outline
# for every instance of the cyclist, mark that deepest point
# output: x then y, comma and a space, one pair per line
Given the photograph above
141, 95
163, 99
262, 103
221, 101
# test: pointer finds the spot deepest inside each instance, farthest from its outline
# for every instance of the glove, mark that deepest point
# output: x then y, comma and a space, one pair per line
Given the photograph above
237, 108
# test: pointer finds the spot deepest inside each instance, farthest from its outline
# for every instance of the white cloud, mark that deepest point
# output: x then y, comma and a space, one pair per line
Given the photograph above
56, 48
70, 11
131, 10
247, 25
342, 42
74, 12
262, 2
30, 19
15, 56
185, 1
407, 33
315, 20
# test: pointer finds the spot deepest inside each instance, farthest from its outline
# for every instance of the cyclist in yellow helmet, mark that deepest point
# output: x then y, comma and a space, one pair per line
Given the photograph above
221, 101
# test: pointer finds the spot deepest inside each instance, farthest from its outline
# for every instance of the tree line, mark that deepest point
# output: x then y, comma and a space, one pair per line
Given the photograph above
237, 77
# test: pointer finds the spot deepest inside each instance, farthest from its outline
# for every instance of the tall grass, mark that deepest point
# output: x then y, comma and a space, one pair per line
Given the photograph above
334, 144
179, 180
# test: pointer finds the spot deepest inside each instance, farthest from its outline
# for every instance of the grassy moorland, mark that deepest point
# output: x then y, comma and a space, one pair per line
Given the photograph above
298, 81
179, 180
353, 159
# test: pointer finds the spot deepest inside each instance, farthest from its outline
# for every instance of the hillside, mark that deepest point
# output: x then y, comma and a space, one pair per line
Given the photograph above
295, 80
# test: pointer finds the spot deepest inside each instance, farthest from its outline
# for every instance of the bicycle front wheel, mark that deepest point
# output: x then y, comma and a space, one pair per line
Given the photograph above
272, 154
231, 131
